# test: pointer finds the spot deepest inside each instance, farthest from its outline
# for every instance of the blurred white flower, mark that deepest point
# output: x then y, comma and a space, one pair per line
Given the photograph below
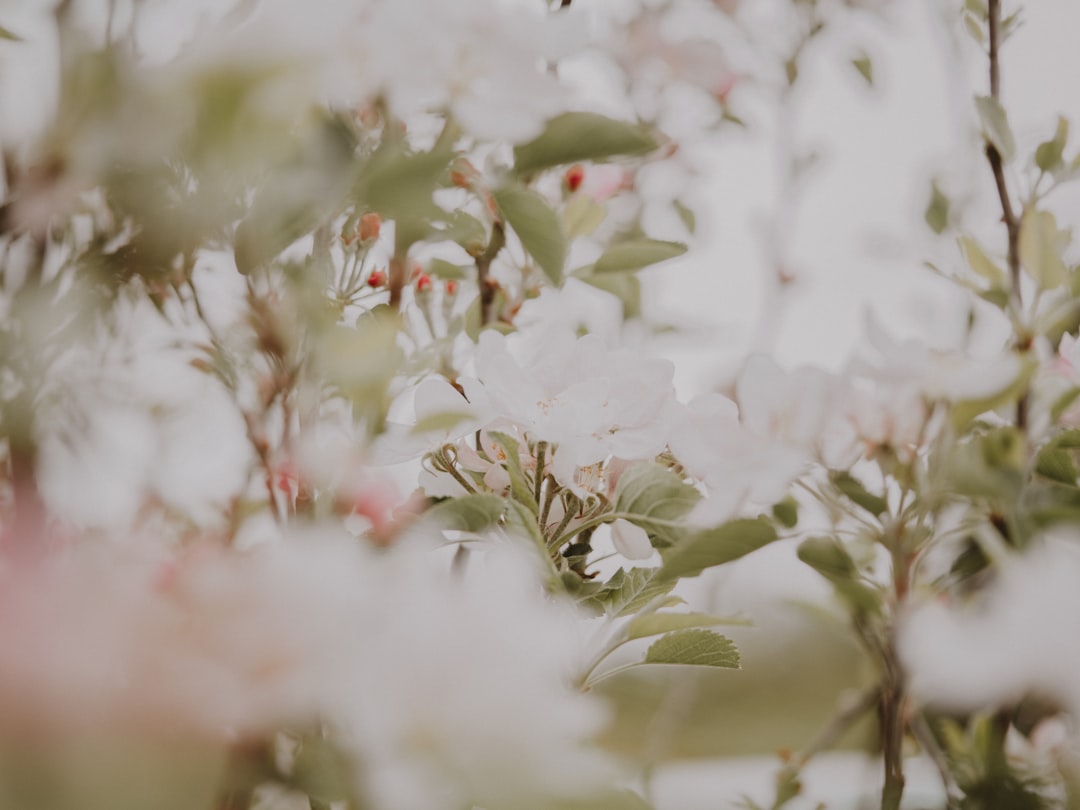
1020, 636
630, 541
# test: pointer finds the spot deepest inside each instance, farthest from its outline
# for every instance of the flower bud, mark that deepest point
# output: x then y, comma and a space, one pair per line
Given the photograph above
376, 279
574, 177
370, 225
423, 283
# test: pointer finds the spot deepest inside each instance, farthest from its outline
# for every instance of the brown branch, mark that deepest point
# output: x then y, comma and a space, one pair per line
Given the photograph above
997, 166
483, 267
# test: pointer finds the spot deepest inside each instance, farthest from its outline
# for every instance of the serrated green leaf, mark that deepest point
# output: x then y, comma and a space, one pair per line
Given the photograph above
537, 226
652, 496
981, 263
627, 592
636, 254
865, 66
653, 624
581, 136
469, 513
1049, 156
937, 210
1055, 462
696, 648
1041, 246
852, 488
995, 126
519, 484
712, 547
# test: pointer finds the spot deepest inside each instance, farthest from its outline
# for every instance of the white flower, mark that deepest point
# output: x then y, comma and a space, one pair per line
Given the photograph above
1019, 637
574, 393
737, 467
631, 541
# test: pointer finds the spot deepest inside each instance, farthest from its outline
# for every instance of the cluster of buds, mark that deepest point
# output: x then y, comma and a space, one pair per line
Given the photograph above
366, 229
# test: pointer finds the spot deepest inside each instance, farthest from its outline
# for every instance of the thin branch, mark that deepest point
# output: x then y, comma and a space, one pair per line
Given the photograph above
483, 268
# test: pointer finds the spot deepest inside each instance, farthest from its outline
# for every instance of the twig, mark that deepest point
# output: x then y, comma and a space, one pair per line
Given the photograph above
997, 166
483, 268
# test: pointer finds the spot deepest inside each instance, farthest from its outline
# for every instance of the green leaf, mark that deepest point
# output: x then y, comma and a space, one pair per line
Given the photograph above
937, 210
537, 226
713, 547
995, 126
614, 800
440, 421
975, 28
636, 254
1049, 156
440, 268
1041, 246
627, 592
828, 557
981, 263
580, 136
469, 513
6, 33
653, 624
696, 648
624, 286
582, 216
322, 771
1062, 404
786, 512
977, 7
467, 231
651, 496
686, 214
399, 183
519, 484
865, 66
855, 491
1056, 463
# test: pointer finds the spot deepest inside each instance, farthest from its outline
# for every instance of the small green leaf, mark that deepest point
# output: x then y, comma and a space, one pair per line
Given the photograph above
865, 66
440, 268
995, 126
712, 547
652, 496
1056, 463
937, 210
579, 136
1041, 246
624, 286
636, 254
1049, 156
469, 513
686, 214
696, 648
582, 216
975, 28
537, 226
981, 263
977, 7
8, 34
828, 557
627, 592
855, 491
519, 485
653, 624
786, 512
440, 421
